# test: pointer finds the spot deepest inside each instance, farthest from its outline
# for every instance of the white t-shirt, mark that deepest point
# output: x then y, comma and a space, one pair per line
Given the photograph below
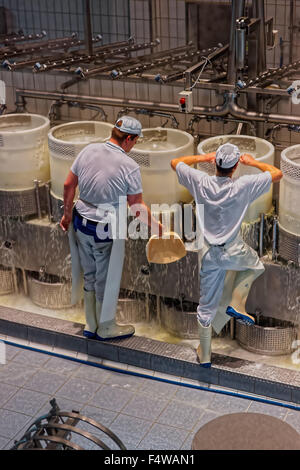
105, 172
225, 200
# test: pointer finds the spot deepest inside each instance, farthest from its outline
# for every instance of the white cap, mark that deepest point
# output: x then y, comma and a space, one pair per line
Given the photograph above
227, 156
129, 125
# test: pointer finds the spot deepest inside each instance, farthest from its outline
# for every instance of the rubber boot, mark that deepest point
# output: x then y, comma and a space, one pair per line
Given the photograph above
90, 314
204, 348
242, 286
110, 329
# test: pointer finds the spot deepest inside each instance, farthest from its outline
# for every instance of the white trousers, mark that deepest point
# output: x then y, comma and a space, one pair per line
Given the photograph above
216, 262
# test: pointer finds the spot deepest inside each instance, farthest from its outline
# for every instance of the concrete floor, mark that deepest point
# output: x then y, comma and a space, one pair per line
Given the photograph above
144, 413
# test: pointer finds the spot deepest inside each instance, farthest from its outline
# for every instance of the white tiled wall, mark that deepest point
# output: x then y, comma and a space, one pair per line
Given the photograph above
63, 17
115, 20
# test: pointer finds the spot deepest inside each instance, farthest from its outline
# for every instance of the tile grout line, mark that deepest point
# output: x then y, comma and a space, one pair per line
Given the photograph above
172, 376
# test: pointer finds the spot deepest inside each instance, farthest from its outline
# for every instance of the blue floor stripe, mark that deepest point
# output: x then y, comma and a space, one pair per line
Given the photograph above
159, 379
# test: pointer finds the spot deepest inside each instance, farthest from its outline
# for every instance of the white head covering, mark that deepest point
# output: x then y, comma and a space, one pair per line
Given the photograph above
129, 125
227, 155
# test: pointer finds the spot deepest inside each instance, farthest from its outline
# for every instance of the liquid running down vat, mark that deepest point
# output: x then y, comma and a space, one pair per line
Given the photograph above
24, 155
154, 153
65, 143
260, 149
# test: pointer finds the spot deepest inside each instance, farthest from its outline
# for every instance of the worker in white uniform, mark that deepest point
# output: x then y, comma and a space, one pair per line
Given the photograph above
104, 173
226, 200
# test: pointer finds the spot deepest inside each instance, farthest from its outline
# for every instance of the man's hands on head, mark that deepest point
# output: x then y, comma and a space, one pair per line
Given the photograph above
247, 159
212, 157
208, 157
276, 173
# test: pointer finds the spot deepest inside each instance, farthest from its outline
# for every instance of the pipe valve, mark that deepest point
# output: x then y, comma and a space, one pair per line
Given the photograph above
294, 127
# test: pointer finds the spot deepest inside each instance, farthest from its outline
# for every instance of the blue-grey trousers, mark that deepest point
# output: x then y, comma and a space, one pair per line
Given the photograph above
94, 259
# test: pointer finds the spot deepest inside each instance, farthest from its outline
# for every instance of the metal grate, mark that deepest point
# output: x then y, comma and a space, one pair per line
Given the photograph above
269, 340
288, 246
6, 281
290, 163
142, 159
19, 203
50, 293
61, 151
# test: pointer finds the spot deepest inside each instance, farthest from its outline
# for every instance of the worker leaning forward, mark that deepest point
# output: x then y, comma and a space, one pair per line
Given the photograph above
108, 179
225, 200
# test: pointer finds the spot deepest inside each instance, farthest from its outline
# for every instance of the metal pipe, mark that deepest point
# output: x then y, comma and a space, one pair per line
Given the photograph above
217, 53
237, 10
242, 113
92, 107
229, 106
219, 110
240, 45
150, 113
274, 238
239, 128
88, 28
260, 12
13, 37
37, 197
231, 75
100, 54
261, 235
25, 284
48, 197
292, 26
15, 279
46, 45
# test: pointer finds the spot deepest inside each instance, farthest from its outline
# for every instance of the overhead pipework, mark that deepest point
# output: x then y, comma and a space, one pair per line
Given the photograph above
234, 69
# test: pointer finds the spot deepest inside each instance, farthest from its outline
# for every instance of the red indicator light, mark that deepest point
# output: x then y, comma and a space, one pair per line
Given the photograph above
182, 101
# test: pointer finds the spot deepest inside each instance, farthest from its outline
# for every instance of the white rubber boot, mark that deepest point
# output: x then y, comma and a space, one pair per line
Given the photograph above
204, 348
242, 286
90, 314
110, 329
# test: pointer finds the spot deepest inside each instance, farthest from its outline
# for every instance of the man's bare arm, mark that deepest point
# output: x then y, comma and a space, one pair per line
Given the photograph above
70, 186
145, 216
276, 174
194, 159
